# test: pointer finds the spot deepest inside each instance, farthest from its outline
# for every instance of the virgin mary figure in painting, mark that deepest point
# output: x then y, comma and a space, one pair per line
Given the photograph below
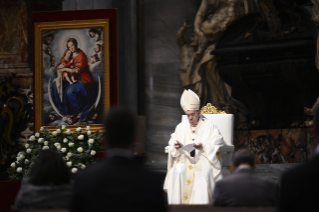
74, 100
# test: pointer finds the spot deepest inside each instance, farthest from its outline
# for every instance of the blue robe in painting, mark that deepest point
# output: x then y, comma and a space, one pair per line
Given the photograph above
77, 98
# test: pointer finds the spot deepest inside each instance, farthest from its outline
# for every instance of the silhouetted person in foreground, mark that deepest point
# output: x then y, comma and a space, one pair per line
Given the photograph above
49, 184
118, 183
244, 188
300, 185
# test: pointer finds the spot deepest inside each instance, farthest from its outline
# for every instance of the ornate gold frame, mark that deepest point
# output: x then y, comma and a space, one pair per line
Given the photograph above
38, 75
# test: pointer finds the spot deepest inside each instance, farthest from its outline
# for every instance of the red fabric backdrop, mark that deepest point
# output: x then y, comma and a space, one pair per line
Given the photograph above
8, 192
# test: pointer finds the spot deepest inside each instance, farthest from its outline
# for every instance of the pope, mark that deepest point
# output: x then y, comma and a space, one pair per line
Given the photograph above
191, 176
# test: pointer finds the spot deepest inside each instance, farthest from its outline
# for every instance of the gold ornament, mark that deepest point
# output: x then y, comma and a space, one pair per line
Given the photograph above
209, 109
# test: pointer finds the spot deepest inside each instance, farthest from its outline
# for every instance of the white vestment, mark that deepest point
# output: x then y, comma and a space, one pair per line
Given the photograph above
191, 180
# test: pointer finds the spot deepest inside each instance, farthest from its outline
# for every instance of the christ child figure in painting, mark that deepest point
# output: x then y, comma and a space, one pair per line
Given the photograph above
65, 74
68, 63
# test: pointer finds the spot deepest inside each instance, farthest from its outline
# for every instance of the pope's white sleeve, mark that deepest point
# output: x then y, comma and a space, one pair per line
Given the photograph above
171, 142
211, 147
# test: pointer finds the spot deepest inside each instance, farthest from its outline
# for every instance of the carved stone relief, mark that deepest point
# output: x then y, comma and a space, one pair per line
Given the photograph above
253, 59
16, 121
14, 32
198, 66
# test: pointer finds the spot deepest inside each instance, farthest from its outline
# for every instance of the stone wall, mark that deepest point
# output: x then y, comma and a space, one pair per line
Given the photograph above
162, 20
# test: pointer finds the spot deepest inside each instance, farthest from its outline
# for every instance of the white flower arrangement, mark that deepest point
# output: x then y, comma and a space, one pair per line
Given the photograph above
21, 157
68, 132
46, 148
77, 149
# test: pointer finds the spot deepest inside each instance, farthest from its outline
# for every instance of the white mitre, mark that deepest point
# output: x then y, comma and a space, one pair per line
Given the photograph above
190, 100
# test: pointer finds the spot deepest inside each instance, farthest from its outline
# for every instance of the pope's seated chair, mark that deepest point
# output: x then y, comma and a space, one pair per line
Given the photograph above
225, 125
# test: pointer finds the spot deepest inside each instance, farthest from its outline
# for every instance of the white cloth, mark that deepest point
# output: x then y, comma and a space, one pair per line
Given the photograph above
191, 180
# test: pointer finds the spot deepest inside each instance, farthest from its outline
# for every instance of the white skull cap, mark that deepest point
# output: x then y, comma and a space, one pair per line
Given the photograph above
189, 100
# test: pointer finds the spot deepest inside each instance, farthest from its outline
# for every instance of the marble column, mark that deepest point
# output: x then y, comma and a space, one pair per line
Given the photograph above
162, 20
127, 36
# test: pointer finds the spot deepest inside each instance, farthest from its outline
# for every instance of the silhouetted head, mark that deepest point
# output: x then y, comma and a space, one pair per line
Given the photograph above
49, 169
243, 157
120, 128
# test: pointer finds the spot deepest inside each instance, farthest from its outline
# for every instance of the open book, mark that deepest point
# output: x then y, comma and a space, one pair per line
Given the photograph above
187, 147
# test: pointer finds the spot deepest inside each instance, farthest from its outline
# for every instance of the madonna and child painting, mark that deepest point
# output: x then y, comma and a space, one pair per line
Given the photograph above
73, 72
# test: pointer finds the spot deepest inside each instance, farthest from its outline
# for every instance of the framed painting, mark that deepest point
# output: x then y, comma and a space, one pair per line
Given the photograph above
72, 77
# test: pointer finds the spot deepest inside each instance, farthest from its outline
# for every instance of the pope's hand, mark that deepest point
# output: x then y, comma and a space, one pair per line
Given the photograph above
177, 145
198, 146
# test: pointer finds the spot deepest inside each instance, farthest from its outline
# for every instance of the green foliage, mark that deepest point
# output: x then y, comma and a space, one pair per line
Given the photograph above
77, 148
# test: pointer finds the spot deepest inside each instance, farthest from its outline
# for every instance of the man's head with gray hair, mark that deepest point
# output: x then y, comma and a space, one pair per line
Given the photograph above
243, 157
